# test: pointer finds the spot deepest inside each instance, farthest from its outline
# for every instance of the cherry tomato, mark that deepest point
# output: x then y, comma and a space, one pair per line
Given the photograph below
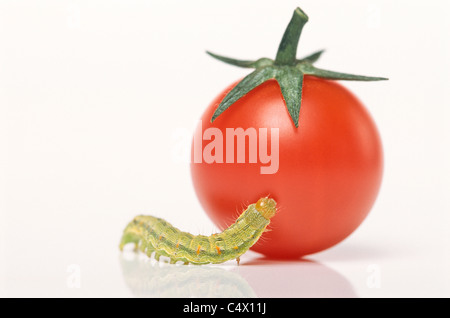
329, 173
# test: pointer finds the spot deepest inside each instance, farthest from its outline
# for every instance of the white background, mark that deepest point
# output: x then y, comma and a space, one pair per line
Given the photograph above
98, 100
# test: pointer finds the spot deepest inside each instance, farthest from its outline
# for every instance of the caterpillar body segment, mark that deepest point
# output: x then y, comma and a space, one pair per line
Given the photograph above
154, 235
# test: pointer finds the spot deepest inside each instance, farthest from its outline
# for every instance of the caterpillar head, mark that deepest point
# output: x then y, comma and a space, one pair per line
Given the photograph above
267, 207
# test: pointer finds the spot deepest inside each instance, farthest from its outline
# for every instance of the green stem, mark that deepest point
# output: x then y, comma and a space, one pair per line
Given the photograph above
287, 51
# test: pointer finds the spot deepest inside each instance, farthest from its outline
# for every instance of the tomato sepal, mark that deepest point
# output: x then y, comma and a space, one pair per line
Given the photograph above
285, 69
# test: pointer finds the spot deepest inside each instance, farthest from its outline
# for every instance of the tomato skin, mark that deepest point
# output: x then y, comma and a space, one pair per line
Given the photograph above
330, 167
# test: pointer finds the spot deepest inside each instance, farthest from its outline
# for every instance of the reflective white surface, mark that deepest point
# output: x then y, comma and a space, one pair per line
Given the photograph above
127, 274
98, 100
83, 260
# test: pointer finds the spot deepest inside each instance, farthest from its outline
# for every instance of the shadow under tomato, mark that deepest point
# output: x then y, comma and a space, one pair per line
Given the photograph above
302, 278
350, 252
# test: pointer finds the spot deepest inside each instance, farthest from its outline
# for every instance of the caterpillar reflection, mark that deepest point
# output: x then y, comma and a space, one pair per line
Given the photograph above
155, 235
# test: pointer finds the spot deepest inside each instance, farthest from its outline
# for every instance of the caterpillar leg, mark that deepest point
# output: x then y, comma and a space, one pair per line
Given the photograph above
129, 238
157, 255
149, 251
142, 246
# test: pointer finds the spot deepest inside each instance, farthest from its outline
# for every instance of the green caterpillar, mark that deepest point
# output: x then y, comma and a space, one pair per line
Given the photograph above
155, 235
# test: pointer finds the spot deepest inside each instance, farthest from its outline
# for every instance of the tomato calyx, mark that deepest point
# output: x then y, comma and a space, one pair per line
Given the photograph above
286, 69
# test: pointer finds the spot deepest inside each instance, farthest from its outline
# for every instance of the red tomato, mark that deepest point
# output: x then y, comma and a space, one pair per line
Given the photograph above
330, 167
